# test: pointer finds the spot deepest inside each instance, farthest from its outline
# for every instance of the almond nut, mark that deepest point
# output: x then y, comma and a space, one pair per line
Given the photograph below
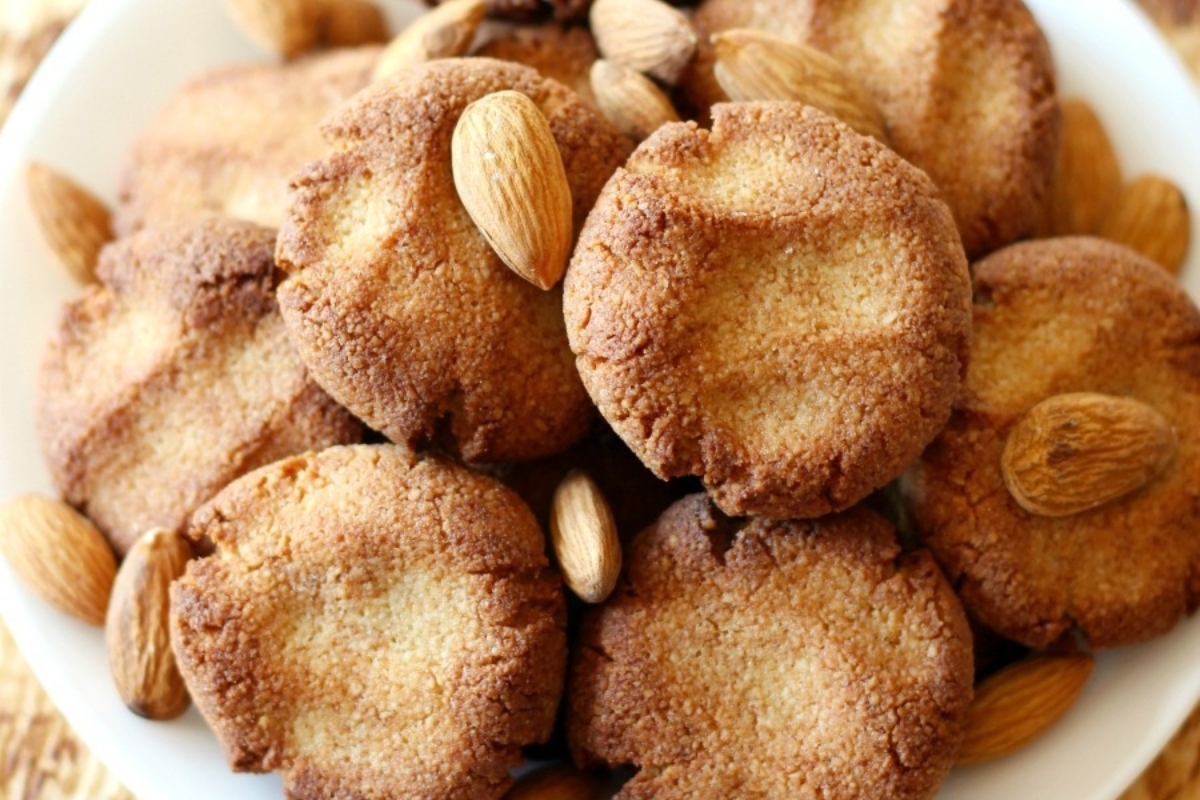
442, 32
584, 537
1087, 176
1151, 216
1020, 702
75, 223
630, 100
59, 554
137, 629
510, 177
285, 27
558, 782
1075, 452
753, 65
648, 36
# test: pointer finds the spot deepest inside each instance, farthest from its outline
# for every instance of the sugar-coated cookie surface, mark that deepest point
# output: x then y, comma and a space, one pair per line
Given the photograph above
228, 142
779, 306
772, 659
395, 299
967, 89
174, 376
372, 625
1052, 317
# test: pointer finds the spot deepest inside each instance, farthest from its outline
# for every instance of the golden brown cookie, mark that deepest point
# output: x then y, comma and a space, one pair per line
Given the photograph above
564, 54
779, 306
394, 298
750, 658
967, 89
1053, 317
173, 377
228, 142
372, 625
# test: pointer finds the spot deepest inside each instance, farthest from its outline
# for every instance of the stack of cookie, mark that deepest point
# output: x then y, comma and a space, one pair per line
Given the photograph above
330, 345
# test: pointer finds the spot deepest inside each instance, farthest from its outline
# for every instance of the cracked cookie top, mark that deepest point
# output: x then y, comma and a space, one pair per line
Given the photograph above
1053, 317
174, 376
779, 305
394, 298
227, 143
751, 658
372, 625
966, 87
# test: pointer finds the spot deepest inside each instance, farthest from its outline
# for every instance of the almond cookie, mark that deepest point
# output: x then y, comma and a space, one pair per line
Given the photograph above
173, 377
780, 306
564, 54
228, 142
372, 625
1057, 317
967, 89
394, 298
750, 658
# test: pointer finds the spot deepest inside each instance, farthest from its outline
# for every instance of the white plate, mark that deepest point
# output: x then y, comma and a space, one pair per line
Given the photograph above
119, 63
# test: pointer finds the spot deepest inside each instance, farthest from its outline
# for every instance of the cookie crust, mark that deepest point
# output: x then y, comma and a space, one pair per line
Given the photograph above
228, 143
394, 298
174, 376
967, 88
779, 659
779, 306
1052, 317
372, 625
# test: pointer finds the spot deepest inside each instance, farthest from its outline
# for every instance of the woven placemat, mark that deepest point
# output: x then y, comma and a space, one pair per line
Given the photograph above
40, 757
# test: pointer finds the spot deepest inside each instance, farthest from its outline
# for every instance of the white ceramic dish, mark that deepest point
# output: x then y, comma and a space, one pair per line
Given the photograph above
122, 60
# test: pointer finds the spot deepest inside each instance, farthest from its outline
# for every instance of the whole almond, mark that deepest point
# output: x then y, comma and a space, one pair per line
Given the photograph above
1087, 176
753, 65
285, 27
558, 782
510, 177
1074, 452
442, 32
1020, 702
648, 36
1151, 216
584, 537
59, 554
137, 627
75, 223
350, 23
630, 100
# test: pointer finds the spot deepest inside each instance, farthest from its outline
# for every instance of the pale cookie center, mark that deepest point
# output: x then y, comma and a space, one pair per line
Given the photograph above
368, 656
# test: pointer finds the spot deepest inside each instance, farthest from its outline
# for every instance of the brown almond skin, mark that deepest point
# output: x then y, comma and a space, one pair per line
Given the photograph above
59, 554
1087, 177
1020, 702
584, 537
75, 223
1077, 451
753, 65
510, 178
1150, 215
645, 35
137, 627
630, 100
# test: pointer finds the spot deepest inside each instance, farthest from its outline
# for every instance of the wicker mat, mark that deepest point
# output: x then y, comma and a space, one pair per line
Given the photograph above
40, 758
